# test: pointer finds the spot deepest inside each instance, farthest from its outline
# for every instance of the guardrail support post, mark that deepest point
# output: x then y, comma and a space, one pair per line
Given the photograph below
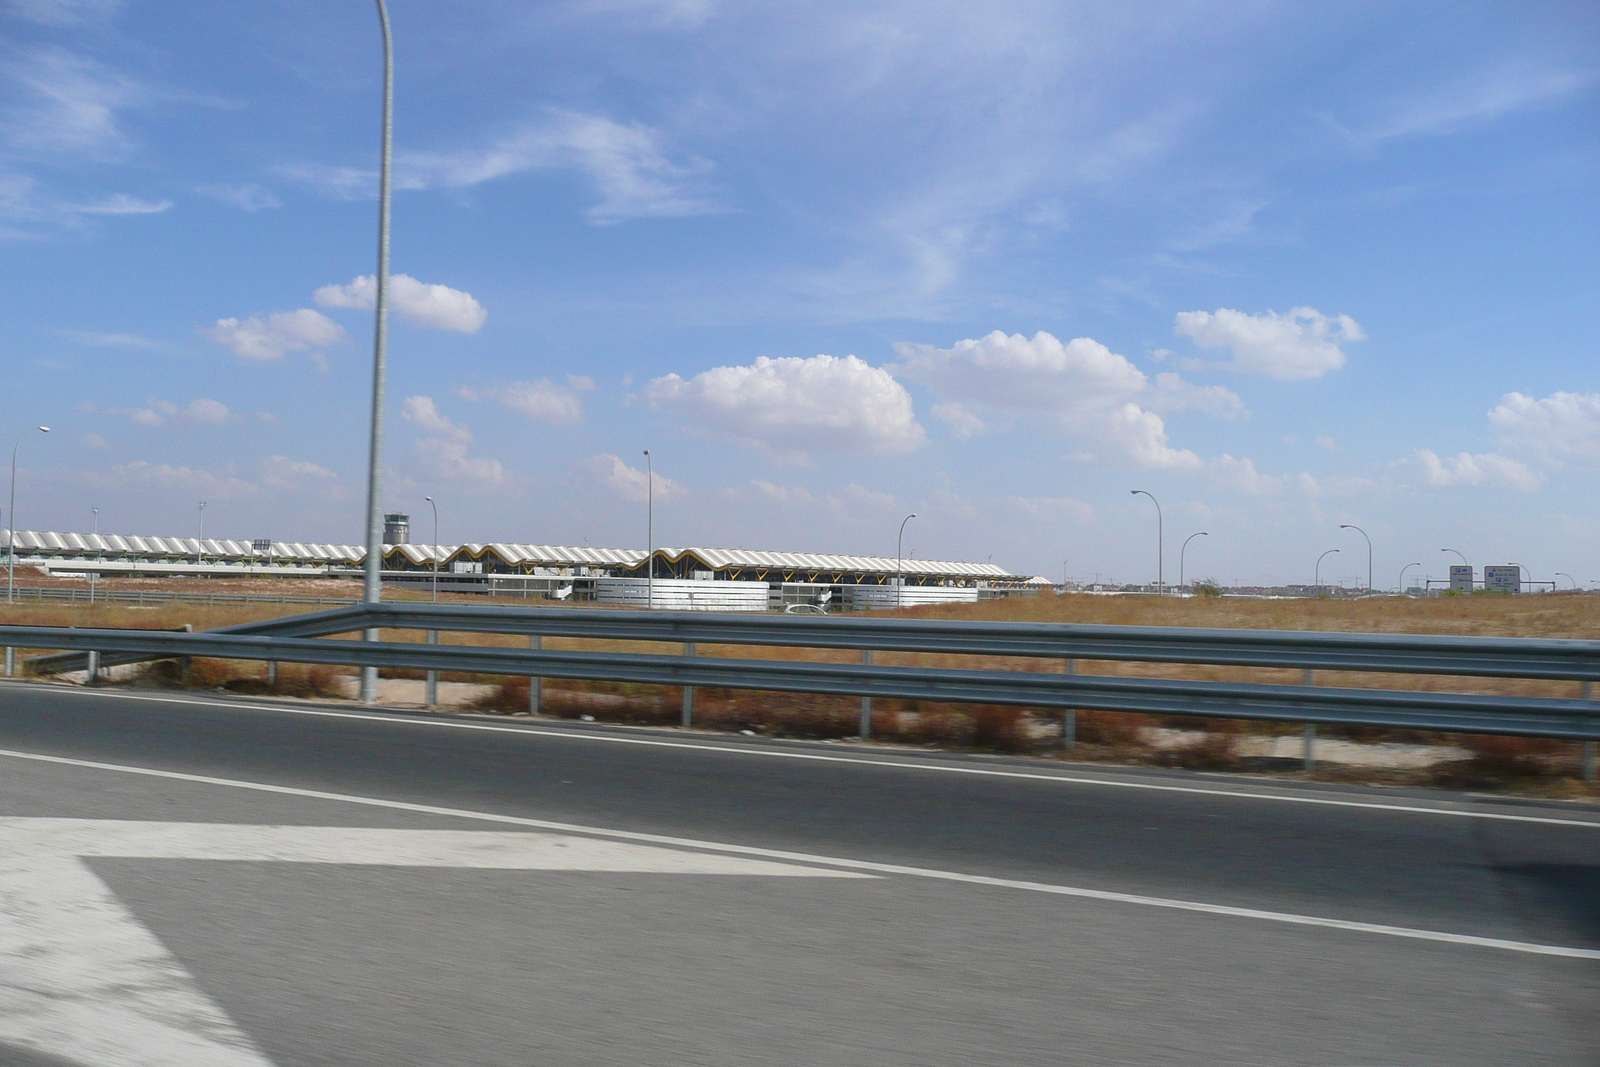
185, 662
272, 674
1069, 718
11, 662
535, 683
1589, 746
93, 674
430, 688
688, 690
866, 702
1310, 678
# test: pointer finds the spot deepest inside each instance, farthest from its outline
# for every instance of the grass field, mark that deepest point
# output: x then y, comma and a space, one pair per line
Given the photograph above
1102, 735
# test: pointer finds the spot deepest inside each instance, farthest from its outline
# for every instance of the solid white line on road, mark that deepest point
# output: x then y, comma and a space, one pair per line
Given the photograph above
1471, 940
905, 765
81, 977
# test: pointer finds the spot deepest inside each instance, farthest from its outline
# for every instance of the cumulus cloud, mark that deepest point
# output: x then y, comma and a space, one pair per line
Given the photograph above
631, 483
541, 400
1561, 427
793, 406
280, 333
438, 307
443, 451
249, 197
1468, 469
1088, 390
1302, 344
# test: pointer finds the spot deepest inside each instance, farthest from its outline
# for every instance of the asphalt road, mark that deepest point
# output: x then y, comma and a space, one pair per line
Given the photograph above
741, 901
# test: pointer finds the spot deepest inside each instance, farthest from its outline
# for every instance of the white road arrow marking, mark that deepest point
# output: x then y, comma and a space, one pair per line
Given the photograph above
81, 977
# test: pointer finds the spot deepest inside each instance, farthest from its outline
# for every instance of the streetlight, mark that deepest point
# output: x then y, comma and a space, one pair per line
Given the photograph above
899, 582
96, 521
649, 531
1403, 570
11, 534
1464, 563
435, 507
1363, 533
1568, 577
1184, 549
1160, 541
372, 583
1320, 558
199, 535
1063, 572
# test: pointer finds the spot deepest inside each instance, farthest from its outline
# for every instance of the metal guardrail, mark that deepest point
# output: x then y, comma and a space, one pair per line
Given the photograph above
295, 639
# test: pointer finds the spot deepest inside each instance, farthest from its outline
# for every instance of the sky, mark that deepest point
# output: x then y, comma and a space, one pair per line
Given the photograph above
1283, 266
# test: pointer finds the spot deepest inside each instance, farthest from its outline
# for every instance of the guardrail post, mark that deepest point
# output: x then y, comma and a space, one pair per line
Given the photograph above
1069, 718
272, 674
535, 683
93, 674
1310, 678
688, 690
1589, 746
11, 662
430, 688
185, 662
866, 702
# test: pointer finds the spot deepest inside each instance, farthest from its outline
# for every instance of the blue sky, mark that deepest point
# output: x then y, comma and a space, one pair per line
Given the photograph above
1285, 266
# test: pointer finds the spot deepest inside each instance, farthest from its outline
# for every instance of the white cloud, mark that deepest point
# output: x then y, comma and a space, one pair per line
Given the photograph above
123, 204
795, 406
281, 333
69, 104
631, 483
627, 162
281, 472
963, 423
1089, 391
685, 14
141, 473
1468, 469
91, 339
249, 197
94, 440
541, 400
1302, 344
63, 12
1556, 429
208, 412
444, 451
1481, 98
437, 306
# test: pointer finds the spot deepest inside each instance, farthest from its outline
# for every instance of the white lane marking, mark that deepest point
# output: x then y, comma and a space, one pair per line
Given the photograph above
81, 977
738, 750
849, 864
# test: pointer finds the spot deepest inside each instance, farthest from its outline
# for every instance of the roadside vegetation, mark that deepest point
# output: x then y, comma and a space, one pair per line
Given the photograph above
1483, 762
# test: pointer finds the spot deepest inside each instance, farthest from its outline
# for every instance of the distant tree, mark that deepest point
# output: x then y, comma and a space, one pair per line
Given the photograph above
1209, 587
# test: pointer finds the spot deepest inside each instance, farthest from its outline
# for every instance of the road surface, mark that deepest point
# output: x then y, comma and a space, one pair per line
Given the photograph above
191, 879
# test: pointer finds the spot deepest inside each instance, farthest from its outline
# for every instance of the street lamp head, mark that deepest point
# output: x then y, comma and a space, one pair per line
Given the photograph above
44, 429
429, 499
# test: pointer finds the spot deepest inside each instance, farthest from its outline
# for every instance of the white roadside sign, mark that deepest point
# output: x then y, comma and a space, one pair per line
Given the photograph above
81, 978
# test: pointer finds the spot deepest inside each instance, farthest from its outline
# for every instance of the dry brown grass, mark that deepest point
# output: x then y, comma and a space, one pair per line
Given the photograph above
992, 728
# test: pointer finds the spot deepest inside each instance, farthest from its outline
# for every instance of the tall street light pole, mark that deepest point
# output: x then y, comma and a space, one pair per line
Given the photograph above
1161, 542
199, 536
1363, 533
649, 531
1464, 562
1320, 558
435, 507
1568, 577
1403, 570
372, 584
96, 521
899, 582
11, 533
1184, 549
